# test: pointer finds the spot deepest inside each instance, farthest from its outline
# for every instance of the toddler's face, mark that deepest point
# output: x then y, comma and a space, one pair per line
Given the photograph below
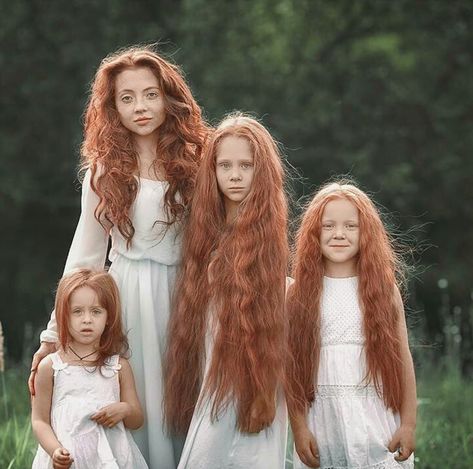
340, 234
87, 318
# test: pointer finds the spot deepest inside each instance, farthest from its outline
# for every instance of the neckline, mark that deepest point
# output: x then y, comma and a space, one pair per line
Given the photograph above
161, 181
353, 277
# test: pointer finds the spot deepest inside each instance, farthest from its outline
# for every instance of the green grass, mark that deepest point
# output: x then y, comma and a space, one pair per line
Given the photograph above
444, 430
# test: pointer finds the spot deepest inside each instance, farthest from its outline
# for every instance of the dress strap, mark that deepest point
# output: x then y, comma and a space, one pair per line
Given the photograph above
58, 364
111, 366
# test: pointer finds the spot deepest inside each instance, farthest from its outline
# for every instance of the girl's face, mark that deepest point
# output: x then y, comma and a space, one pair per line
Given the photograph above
139, 101
87, 318
234, 169
339, 236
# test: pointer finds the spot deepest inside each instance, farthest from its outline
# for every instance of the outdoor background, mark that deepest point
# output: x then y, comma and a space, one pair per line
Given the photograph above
380, 90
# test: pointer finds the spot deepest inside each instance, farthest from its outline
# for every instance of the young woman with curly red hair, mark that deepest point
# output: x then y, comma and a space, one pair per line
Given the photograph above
353, 394
226, 349
144, 135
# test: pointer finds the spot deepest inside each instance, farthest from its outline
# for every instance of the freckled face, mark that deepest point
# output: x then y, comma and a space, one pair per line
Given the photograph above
87, 319
339, 237
234, 168
139, 100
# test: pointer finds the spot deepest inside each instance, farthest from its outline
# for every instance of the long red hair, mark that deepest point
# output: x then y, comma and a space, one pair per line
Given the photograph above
379, 271
113, 340
108, 148
245, 289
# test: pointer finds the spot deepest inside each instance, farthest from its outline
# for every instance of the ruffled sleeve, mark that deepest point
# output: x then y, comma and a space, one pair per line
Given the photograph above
88, 248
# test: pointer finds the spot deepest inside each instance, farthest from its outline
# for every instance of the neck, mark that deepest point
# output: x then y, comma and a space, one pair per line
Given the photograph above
145, 146
83, 349
231, 210
340, 270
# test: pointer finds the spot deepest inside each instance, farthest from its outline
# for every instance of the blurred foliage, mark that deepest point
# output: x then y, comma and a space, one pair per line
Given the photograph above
377, 89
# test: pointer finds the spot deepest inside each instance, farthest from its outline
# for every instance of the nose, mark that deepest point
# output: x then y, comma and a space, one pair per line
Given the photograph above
339, 233
235, 175
87, 318
140, 104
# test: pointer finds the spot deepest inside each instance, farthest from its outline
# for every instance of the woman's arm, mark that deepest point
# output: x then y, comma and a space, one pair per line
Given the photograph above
404, 438
128, 409
88, 249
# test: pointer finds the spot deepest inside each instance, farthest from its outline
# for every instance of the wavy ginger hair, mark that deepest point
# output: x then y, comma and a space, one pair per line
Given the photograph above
108, 148
245, 289
378, 270
113, 340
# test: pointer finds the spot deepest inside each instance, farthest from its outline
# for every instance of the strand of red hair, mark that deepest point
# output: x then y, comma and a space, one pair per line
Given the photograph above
108, 148
380, 273
245, 289
113, 340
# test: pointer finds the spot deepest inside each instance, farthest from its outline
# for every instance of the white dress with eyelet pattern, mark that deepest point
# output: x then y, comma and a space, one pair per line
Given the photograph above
350, 422
78, 393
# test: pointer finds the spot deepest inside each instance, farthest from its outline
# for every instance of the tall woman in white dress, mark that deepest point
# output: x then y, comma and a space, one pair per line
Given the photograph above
227, 331
141, 149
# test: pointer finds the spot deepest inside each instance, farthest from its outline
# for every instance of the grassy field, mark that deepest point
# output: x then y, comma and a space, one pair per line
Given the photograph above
444, 431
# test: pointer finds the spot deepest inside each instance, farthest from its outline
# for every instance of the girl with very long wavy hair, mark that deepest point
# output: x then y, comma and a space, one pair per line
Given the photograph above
227, 333
144, 135
353, 392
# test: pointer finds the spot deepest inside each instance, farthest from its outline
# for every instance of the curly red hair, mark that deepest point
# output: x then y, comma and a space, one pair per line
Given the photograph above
108, 148
245, 290
379, 271
113, 340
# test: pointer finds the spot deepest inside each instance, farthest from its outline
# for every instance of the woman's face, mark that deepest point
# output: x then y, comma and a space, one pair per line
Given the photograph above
139, 101
234, 169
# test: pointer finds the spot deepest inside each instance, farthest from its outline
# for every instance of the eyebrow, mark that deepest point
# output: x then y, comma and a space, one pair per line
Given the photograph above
132, 91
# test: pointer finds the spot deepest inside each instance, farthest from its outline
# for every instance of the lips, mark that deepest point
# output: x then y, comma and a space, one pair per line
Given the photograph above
86, 330
142, 120
235, 188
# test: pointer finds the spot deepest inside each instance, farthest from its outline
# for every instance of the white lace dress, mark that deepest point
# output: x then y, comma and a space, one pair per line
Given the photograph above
349, 420
78, 393
145, 274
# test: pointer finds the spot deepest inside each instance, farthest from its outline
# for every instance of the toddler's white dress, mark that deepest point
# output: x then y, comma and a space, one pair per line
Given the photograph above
78, 393
145, 273
350, 422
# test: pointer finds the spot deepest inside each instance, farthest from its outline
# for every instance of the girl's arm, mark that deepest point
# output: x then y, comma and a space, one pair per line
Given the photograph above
304, 440
128, 409
88, 249
41, 417
404, 438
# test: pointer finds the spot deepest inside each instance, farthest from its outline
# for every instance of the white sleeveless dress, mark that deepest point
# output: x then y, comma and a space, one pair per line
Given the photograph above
78, 393
145, 274
350, 422
220, 445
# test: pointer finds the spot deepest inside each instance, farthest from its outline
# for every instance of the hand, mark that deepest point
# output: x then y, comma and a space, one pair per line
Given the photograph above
404, 441
110, 415
44, 350
261, 415
61, 458
306, 447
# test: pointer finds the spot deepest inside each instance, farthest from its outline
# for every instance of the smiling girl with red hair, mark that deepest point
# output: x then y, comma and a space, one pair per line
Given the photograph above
143, 139
227, 333
353, 396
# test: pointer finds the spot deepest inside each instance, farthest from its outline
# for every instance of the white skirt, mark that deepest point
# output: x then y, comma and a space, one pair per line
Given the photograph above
145, 289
